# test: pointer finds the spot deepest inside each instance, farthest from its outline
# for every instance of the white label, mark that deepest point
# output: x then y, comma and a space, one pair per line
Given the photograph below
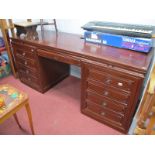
94, 36
104, 42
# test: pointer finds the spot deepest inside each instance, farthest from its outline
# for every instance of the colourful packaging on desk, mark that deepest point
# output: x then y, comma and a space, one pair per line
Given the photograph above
120, 41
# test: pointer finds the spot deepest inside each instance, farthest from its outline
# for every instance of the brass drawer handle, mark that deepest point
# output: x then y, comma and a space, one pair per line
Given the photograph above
124, 101
55, 57
103, 113
29, 79
27, 71
104, 104
106, 93
123, 109
25, 62
120, 84
108, 81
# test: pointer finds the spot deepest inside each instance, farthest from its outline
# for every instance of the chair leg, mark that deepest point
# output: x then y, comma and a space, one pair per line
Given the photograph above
16, 118
150, 126
30, 117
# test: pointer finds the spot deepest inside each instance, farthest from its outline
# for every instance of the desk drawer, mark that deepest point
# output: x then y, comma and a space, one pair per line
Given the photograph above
110, 93
29, 80
27, 71
110, 80
62, 57
104, 102
104, 114
27, 63
24, 51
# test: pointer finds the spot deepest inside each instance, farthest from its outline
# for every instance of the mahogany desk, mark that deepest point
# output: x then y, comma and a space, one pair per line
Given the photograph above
111, 78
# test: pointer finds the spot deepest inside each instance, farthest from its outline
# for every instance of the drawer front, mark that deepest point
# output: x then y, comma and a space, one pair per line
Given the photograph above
110, 80
114, 90
29, 80
27, 63
105, 114
24, 51
27, 71
60, 57
104, 102
66, 59
110, 93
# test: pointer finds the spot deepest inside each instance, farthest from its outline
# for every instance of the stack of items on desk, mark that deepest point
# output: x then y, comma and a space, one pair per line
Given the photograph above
133, 37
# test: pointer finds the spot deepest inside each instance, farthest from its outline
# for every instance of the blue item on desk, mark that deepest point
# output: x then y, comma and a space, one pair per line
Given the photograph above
132, 43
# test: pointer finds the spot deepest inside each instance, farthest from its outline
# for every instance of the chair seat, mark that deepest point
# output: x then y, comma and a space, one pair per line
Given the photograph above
12, 100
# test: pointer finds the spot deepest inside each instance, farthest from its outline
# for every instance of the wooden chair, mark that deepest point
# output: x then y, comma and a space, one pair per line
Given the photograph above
13, 100
52, 23
146, 113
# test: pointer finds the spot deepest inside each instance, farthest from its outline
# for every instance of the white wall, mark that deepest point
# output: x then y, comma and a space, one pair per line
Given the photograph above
74, 25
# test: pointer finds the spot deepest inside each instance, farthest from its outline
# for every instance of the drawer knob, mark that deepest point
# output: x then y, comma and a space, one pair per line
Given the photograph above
103, 113
32, 50
27, 71
123, 109
104, 104
25, 63
56, 58
106, 93
108, 81
110, 66
24, 54
120, 84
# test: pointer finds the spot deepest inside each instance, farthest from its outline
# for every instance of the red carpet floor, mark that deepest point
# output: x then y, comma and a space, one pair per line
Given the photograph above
57, 112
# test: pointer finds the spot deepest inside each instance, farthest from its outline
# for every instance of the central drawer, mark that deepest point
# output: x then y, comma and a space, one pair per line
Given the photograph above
62, 57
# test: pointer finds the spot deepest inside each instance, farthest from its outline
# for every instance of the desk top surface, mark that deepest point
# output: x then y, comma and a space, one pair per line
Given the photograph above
75, 45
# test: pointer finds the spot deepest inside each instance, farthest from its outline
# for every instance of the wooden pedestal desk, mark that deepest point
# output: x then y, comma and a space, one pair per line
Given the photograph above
111, 78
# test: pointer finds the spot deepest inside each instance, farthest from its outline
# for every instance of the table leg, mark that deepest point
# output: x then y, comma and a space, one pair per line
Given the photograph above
16, 118
30, 117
